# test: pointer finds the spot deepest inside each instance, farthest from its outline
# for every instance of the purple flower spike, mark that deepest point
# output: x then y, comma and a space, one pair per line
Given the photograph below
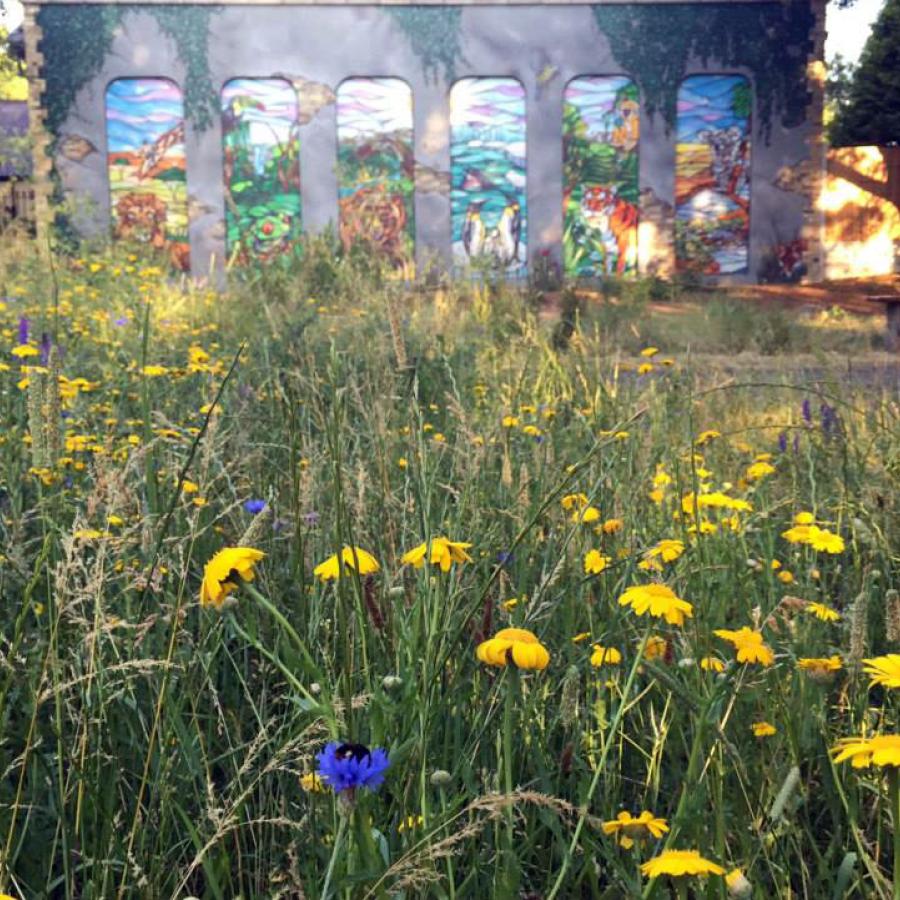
23, 329
344, 767
806, 411
782, 442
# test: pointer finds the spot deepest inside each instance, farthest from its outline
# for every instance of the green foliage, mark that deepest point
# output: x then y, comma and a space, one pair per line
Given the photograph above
154, 748
77, 39
867, 110
13, 85
655, 43
434, 35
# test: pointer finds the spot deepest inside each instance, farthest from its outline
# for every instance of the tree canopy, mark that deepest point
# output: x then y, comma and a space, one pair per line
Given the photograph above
13, 85
868, 112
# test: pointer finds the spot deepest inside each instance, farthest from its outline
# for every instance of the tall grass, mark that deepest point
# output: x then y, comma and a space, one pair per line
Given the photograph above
151, 747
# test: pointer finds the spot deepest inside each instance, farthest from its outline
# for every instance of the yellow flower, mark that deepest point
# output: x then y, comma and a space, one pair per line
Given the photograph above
656, 648
510, 422
759, 470
763, 729
574, 501
706, 436
882, 750
532, 431
649, 352
595, 562
680, 862
738, 885
659, 600
444, 552
581, 636
612, 526
714, 500
785, 577
402, 462
24, 350
712, 664
820, 667
668, 550
823, 612
645, 368
804, 518
311, 783
514, 645
352, 558
587, 515
605, 656
189, 487
221, 572
824, 540
154, 371
657, 495
410, 823
510, 605
749, 645
629, 828
885, 670
88, 534
798, 534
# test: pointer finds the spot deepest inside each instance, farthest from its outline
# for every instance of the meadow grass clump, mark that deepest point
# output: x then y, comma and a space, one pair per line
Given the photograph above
320, 587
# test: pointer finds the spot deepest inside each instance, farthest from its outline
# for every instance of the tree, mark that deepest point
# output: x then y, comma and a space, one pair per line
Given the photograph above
871, 111
13, 85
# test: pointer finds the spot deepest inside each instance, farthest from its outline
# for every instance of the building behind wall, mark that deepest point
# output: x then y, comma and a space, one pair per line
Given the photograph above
616, 138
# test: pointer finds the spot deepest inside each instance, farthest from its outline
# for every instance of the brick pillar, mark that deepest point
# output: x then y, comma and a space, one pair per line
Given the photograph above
40, 140
813, 231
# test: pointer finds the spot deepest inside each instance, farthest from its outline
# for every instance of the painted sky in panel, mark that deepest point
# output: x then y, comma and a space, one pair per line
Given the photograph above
487, 102
275, 96
594, 97
372, 106
139, 110
704, 101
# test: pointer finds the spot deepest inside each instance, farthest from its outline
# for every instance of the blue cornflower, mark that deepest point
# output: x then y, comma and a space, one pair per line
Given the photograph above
254, 506
344, 767
122, 320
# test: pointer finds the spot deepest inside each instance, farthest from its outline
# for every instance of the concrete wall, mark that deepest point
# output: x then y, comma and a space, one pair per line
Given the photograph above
317, 47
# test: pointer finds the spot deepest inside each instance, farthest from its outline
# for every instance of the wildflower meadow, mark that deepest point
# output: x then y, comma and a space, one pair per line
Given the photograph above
322, 586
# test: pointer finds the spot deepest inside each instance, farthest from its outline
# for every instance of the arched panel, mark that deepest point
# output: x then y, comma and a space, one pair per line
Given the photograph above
146, 165
488, 173
712, 175
376, 168
601, 129
261, 147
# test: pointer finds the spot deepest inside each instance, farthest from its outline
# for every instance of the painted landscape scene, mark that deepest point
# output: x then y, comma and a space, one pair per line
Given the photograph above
601, 131
262, 169
376, 170
146, 166
712, 175
488, 175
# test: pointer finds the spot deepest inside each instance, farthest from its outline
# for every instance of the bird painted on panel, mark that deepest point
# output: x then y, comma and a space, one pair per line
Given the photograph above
474, 231
506, 236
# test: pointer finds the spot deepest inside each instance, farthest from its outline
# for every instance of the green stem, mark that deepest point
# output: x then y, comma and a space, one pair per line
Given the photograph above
335, 852
894, 795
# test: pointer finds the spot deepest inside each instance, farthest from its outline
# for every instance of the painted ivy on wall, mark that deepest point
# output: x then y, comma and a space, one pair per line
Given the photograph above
656, 43
434, 33
77, 39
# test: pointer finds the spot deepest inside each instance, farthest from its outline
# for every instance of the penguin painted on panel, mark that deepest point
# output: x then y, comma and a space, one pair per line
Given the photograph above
474, 232
508, 233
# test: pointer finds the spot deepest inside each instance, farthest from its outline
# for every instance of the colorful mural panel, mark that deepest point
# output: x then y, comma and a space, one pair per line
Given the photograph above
376, 168
712, 175
487, 161
146, 164
262, 169
601, 129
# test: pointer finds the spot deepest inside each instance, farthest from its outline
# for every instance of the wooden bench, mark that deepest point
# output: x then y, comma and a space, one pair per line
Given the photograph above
892, 309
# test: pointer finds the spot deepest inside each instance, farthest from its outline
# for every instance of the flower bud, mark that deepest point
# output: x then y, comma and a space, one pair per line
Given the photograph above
441, 778
391, 682
315, 689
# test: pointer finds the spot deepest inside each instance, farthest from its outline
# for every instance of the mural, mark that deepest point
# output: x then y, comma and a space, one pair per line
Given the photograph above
376, 168
146, 164
601, 122
487, 162
712, 175
262, 168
